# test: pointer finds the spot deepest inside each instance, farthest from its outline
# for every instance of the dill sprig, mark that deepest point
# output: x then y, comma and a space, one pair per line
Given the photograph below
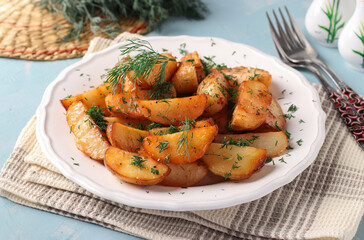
184, 141
239, 142
107, 16
140, 66
97, 116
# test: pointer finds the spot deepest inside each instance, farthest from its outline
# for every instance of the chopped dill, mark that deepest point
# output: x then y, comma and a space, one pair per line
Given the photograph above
97, 116
137, 161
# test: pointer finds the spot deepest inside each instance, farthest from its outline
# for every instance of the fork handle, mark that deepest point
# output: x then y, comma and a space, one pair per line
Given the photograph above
351, 95
354, 121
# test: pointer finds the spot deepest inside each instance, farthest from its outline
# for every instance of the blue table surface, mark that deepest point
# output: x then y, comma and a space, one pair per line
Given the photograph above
23, 83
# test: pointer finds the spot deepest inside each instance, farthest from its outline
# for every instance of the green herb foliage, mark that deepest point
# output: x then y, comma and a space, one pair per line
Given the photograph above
106, 16
97, 116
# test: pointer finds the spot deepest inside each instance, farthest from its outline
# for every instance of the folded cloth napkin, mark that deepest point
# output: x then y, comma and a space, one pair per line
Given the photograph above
325, 200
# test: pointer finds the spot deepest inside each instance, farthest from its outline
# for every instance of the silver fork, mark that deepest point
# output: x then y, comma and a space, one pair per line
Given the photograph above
350, 115
295, 48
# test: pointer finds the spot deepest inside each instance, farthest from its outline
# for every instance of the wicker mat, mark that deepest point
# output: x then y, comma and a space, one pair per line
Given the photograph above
29, 32
324, 201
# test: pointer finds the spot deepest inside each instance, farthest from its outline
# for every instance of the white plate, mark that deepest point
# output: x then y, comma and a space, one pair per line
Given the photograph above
58, 144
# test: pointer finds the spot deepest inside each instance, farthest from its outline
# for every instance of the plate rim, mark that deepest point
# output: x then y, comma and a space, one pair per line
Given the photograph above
93, 187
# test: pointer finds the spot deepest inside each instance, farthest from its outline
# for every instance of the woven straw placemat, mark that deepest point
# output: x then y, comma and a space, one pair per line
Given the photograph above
29, 32
324, 201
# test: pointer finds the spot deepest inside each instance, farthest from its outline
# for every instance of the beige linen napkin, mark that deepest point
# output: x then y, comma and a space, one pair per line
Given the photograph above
326, 200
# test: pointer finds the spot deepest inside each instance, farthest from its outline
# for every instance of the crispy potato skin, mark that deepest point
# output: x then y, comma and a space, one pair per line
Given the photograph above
214, 86
194, 144
222, 119
89, 139
234, 162
275, 120
185, 174
237, 75
274, 142
120, 163
173, 110
124, 137
185, 78
126, 104
128, 121
252, 108
94, 96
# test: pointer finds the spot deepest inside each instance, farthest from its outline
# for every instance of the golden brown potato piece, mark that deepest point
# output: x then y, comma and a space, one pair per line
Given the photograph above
252, 108
222, 119
192, 57
214, 86
233, 162
94, 96
136, 123
149, 81
173, 110
134, 168
182, 147
275, 120
237, 75
124, 137
172, 129
126, 104
185, 79
185, 174
274, 142
89, 138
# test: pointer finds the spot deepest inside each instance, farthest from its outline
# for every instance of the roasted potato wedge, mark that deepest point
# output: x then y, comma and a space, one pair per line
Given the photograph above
124, 137
185, 174
126, 104
214, 86
233, 162
173, 110
275, 120
274, 142
237, 75
95, 96
252, 108
182, 147
134, 168
185, 78
149, 81
136, 123
89, 138
172, 129
222, 119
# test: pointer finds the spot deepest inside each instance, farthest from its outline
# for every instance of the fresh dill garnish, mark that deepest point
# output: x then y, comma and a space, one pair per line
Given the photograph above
69, 96
299, 142
163, 146
106, 16
154, 171
184, 141
289, 116
227, 175
301, 121
293, 108
182, 49
154, 125
282, 160
208, 63
239, 142
137, 161
268, 160
256, 75
97, 116
140, 66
